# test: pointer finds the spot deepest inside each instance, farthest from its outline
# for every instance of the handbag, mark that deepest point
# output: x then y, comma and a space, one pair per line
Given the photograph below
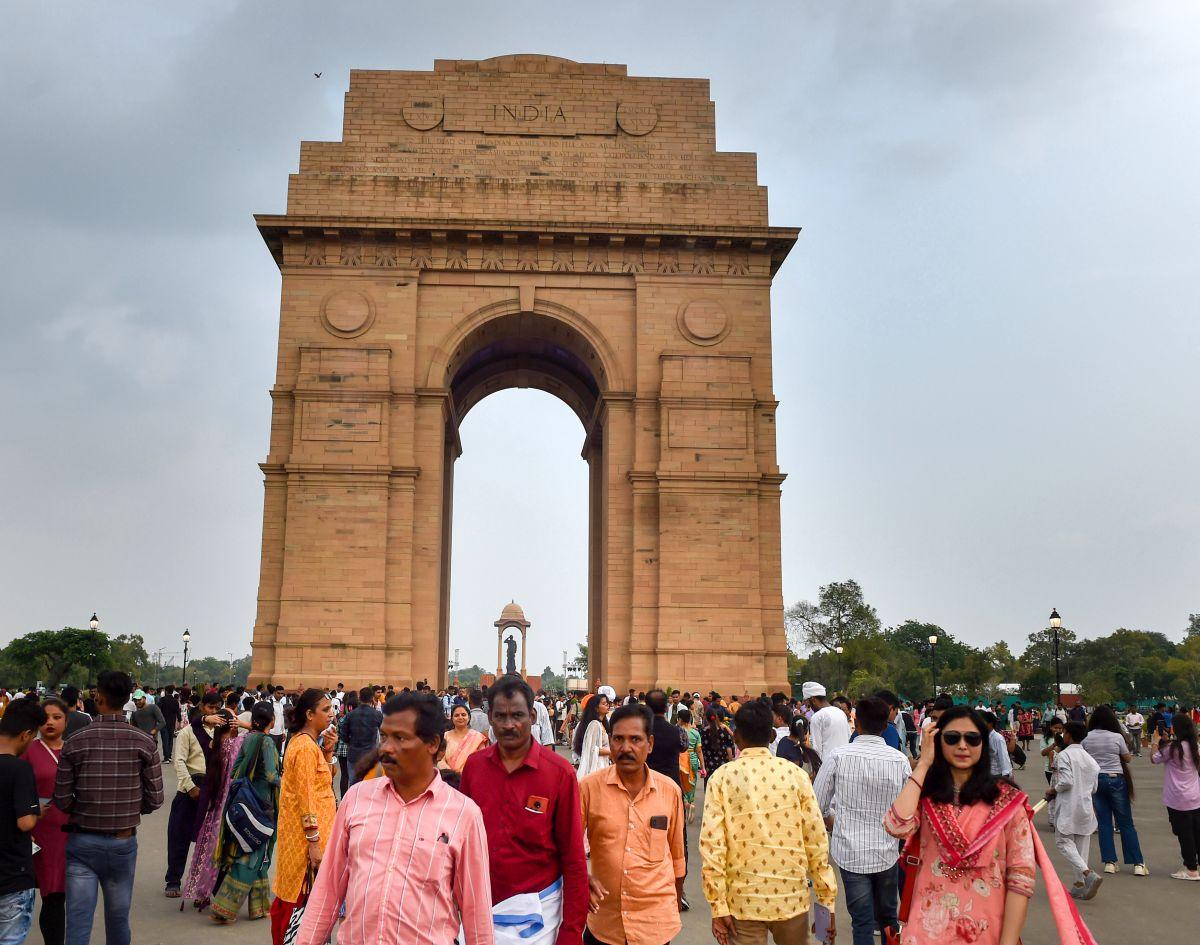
293, 927
251, 823
910, 863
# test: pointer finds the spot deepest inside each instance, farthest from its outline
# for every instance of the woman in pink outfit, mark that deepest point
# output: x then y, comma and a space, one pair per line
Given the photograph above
976, 846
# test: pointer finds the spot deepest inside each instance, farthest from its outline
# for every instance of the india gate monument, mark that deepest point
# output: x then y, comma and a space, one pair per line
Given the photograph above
524, 221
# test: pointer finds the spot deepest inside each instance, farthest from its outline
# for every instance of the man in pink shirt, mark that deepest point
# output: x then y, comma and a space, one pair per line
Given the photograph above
407, 853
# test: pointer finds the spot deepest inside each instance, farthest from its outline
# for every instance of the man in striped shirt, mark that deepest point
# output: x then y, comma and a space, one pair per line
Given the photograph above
855, 787
407, 853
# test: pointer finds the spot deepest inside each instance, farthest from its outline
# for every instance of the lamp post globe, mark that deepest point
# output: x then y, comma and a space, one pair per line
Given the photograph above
1055, 626
94, 623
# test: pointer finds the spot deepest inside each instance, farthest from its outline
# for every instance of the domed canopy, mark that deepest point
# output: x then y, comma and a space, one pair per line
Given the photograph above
512, 616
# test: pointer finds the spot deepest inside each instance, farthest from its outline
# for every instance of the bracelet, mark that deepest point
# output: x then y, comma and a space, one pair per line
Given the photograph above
313, 839
913, 779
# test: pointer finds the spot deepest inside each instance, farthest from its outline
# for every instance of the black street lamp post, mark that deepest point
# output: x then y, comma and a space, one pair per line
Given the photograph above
1055, 625
933, 660
187, 638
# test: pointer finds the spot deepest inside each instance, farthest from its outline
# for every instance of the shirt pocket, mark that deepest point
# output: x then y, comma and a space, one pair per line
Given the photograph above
432, 863
657, 846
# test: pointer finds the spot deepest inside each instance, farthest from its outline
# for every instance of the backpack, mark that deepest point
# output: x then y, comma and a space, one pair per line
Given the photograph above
251, 823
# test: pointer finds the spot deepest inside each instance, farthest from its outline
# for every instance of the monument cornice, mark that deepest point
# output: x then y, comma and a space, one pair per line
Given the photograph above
333, 243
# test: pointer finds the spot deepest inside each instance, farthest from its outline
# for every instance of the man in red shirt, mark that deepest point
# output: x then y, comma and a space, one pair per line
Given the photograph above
530, 802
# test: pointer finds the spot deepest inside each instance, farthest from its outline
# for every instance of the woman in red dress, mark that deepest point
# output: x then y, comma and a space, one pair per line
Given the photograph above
50, 862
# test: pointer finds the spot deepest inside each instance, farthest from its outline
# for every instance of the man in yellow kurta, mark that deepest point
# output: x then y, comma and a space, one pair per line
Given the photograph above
761, 840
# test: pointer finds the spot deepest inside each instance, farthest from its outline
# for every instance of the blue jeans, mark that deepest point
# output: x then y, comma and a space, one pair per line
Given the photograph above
16, 916
94, 863
873, 903
1112, 800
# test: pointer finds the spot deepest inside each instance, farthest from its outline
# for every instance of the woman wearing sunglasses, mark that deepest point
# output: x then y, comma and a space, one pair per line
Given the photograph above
974, 842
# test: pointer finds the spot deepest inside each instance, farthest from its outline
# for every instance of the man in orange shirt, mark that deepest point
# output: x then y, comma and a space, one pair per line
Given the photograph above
633, 818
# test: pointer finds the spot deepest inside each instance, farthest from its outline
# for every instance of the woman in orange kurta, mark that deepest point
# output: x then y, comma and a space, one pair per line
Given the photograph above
306, 803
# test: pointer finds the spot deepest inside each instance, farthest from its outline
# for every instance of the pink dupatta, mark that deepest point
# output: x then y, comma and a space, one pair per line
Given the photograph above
959, 853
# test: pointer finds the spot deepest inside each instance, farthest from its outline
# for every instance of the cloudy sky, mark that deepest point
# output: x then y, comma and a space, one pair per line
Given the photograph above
986, 341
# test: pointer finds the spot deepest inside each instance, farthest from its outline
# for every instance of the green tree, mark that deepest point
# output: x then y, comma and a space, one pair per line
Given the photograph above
582, 660
1124, 663
469, 675
52, 654
839, 615
552, 681
127, 652
1193, 627
1184, 670
1039, 653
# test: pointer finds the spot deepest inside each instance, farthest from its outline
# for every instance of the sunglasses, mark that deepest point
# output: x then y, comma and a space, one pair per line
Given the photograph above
974, 739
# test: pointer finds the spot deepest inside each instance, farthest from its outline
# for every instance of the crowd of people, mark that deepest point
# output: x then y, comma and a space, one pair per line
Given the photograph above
469, 816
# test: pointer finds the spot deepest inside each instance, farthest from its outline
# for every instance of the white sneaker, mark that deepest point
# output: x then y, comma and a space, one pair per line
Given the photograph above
1140, 870
1111, 868
1185, 875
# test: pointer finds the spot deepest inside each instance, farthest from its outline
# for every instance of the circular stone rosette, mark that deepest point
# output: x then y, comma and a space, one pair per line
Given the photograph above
703, 321
347, 313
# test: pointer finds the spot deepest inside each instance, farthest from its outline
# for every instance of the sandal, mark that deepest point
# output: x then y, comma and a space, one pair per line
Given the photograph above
172, 893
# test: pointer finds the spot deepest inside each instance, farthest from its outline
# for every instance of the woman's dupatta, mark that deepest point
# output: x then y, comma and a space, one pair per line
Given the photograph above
959, 853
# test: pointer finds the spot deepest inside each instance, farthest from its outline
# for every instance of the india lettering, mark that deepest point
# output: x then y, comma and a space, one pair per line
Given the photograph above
544, 113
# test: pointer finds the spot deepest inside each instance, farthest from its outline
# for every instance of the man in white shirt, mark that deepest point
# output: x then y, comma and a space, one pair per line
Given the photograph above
1073, 782
279, 704
829, 726
544, 732
856, 785
1134, 720
1001, 763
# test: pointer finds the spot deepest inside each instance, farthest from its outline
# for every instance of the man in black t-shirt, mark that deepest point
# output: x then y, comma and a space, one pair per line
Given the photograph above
19, 812
168, 704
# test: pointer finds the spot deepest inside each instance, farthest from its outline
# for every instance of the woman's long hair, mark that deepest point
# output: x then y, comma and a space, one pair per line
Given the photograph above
1183, 730
798, 729
1104, 718
712, 726
980, 786
297, 716
591, 713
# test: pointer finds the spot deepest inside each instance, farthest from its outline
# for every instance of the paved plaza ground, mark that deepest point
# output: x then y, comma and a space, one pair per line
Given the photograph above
1156, 910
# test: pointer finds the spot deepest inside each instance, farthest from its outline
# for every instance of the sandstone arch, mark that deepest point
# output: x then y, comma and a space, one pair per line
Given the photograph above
524, 221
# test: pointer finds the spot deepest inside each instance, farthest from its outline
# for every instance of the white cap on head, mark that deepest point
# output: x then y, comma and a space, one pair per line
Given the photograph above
607, 691
810, 689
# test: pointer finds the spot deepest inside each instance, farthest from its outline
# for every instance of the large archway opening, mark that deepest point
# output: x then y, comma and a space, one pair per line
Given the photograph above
528, 523
520, 530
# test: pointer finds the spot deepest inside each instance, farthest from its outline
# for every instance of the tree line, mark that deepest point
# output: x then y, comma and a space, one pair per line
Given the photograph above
72, 656
1122, 665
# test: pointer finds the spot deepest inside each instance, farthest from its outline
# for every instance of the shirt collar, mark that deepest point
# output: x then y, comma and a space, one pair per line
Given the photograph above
756, 753
612, 777
870, 739
436, 785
